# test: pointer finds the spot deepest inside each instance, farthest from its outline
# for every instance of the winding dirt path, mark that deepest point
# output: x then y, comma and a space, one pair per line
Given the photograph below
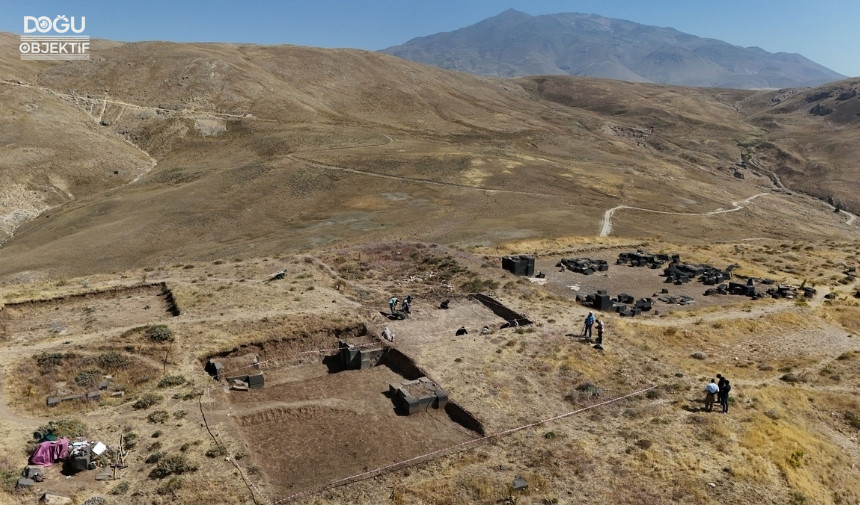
606, 226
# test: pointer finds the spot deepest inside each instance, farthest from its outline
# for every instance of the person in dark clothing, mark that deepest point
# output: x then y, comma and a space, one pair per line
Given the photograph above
724, 396
444, 304
600, 326
589, 321
721, 381
461, 331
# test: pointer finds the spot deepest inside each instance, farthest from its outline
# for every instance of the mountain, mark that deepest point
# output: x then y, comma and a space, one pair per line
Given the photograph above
518, 44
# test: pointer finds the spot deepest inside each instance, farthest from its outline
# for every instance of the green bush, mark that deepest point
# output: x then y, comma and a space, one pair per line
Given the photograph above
113, 360
171, 380
49, 359
159, 333
88, 377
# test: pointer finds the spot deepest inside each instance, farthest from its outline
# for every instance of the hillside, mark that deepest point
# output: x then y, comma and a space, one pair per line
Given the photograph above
405, 150
517, 44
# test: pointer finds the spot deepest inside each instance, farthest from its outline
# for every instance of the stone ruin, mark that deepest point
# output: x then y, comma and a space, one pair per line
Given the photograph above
106, 386
641, 258
353, 357
585, 266
752, 288
625, 305
519, 265
681, 273
410, 397
243, 382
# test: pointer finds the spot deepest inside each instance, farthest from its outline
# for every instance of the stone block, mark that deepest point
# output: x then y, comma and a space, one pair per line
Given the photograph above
603, 303
53, 401
93, 396
25, 483
55, 499
520, 484
441, 400
256, 381
33, 471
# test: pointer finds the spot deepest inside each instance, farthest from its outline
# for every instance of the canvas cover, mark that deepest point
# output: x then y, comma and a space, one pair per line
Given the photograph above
49, 452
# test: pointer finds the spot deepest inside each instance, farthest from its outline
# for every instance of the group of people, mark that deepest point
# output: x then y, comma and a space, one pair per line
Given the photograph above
591, 321
718, 389
404, 304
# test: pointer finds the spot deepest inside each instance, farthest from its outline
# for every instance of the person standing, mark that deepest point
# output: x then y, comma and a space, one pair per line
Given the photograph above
392, 303
711, 391
589, 322
600, 326
721, 381
724, 396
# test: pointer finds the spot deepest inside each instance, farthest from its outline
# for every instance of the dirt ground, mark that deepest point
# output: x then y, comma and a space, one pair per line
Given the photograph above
332, 426
310, 428
76, 315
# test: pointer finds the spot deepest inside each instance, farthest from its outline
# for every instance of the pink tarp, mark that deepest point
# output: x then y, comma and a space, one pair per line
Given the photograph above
49, 453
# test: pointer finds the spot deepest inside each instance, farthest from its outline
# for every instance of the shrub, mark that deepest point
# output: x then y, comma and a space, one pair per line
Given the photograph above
171, 380
175, 464
88, 377
120, 488
154, 458
159, 333
796, 458
69, 428
790, 378
216, 452
47, 359
113, 360
170, 487
479, 285
129, 440
146, 401
158, 417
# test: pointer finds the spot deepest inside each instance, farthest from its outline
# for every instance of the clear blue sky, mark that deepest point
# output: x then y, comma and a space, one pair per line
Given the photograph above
825, 32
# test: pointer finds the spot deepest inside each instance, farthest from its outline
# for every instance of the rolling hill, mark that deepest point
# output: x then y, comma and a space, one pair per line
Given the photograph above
272, 148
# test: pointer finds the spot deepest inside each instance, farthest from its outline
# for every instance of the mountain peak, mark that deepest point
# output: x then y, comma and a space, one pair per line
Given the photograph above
514, 43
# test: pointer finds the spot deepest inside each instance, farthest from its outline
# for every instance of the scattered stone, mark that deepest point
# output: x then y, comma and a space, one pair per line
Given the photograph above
25, 483
585, 266
520, 484
50, 498
35, 472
